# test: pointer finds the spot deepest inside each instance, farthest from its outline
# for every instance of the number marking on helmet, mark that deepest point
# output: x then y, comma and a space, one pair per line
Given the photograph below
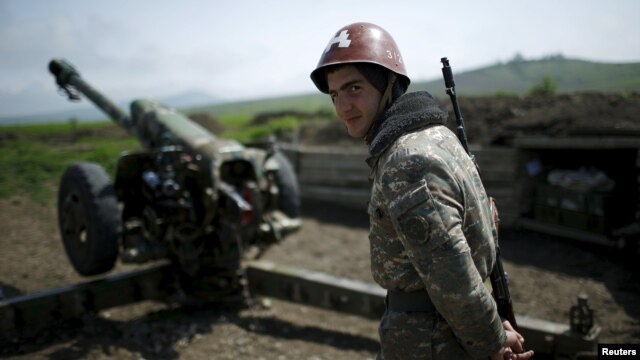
393, 55
341, 39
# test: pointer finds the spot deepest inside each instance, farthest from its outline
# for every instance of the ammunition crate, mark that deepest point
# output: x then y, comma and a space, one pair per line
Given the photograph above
584, 210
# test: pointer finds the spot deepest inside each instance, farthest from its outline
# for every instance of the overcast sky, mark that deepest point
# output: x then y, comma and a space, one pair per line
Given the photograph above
241, 49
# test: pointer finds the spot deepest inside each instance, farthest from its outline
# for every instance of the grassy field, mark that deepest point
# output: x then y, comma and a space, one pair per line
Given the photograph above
34, 157
308, 103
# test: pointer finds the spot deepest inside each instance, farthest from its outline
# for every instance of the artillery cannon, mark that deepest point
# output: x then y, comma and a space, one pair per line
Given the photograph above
188, 196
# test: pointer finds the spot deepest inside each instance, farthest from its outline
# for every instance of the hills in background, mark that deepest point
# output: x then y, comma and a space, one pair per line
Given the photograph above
86, 111
516, 77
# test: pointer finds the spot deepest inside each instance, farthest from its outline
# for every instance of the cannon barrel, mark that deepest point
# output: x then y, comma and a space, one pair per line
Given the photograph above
70, 80
154, 124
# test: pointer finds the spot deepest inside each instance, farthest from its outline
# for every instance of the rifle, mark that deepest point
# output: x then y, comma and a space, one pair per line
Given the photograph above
498, 277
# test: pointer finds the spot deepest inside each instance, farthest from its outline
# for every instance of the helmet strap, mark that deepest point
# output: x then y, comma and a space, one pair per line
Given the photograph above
385, 101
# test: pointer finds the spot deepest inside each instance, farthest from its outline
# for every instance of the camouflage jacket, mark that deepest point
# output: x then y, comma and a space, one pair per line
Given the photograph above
431, 224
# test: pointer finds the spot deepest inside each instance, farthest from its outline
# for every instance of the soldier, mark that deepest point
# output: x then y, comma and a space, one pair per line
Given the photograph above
432, 237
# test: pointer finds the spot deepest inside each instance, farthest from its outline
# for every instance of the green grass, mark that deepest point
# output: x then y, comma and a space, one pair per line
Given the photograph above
32, 166
281, 127
27, 168
52, 129
308, 103
235, 122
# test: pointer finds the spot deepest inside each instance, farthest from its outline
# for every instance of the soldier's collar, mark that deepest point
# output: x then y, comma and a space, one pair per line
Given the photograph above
410, 111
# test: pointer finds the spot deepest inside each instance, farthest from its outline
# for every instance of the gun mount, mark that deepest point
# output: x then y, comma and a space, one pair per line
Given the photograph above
188, 196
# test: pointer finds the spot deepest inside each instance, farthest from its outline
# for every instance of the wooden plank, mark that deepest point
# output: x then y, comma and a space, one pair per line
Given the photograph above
565, 232
502, 175
492, 154
335, 163
329, 174
336, 167
360, 151
593, 142
28, 314
316, 289
498, 165
341, 175
500, 192
324, 156
355, 198
333, 178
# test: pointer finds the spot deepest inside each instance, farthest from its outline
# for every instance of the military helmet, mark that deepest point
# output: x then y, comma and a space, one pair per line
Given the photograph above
356, 43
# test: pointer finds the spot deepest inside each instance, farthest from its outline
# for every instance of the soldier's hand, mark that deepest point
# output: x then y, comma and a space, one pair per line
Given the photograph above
514, 339
514, 348
507, 354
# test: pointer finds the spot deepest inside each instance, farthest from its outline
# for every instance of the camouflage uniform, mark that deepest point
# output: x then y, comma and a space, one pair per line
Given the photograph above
431, 229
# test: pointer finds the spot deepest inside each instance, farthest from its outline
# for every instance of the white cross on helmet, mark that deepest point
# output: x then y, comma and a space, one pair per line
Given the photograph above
360, 42
341, 39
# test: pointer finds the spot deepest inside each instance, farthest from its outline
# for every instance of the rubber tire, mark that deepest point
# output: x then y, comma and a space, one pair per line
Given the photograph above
289, 197
88, 218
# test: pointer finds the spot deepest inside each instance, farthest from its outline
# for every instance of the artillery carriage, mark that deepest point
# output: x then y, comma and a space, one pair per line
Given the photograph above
188, 196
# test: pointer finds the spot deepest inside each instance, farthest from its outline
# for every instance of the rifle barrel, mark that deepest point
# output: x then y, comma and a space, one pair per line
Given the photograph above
450, 85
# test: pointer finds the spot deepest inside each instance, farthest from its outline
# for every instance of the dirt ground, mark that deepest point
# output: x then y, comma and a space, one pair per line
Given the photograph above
546, 276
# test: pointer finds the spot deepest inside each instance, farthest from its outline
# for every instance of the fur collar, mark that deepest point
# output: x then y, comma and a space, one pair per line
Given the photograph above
411, 111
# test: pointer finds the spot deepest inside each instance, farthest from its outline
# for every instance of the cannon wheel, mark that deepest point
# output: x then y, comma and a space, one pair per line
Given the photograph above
289, 199
88, 218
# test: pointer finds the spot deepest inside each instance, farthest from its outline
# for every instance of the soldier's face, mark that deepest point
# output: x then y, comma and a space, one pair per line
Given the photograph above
354, 98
